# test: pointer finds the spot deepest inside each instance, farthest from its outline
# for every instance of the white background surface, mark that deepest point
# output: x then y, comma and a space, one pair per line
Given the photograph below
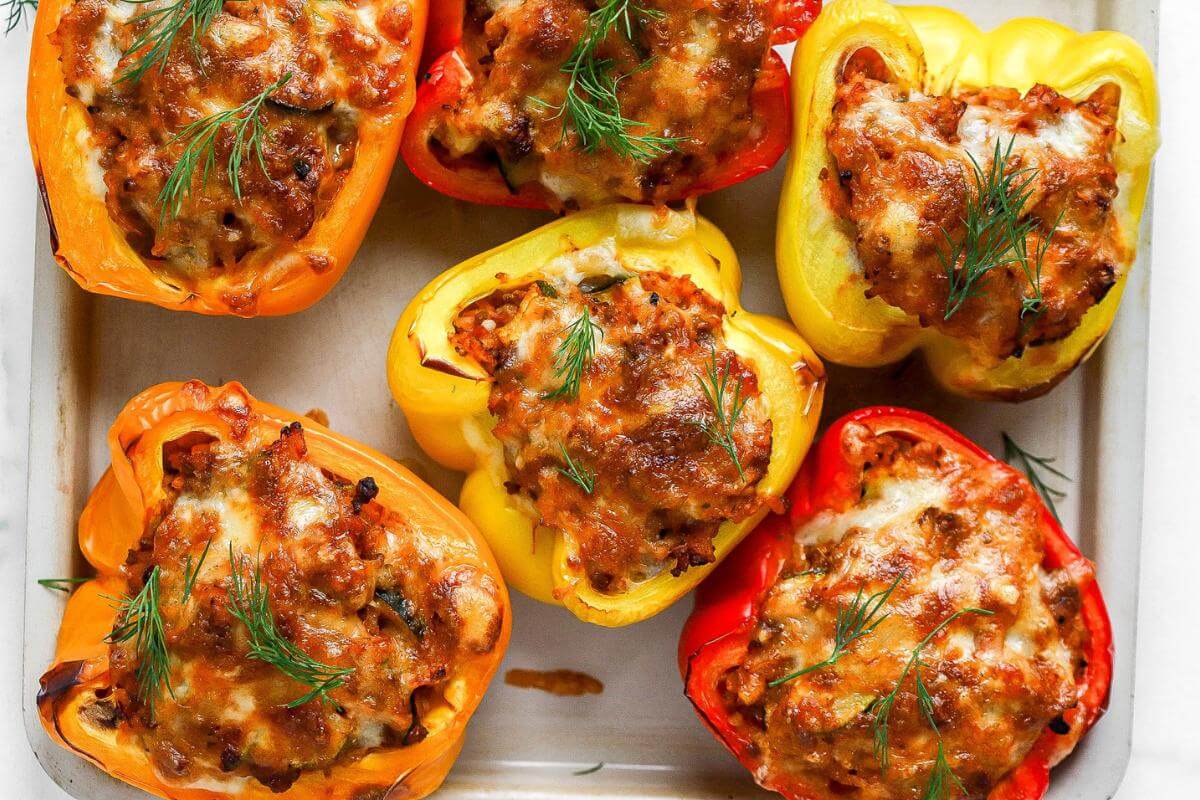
1166, 743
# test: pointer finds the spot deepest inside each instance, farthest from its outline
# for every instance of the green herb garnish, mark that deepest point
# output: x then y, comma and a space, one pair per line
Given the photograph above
162, 25
882, 707
248, 130
250, 604
715, 385
591, 106
61, 584
139, 618
853, 622
1032, 465
191, 572
573, 354
590, 770
581, 475
15, 13
995, 233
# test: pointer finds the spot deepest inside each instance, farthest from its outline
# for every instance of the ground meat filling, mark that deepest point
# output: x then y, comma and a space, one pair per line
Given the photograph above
903, 178
689, 73
639, 425
961, 536
344, 61
349, 583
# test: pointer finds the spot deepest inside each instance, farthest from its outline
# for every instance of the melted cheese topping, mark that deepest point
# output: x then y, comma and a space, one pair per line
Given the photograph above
639, 427
951, 537
345, 60
349, 584
905, 170
689, 74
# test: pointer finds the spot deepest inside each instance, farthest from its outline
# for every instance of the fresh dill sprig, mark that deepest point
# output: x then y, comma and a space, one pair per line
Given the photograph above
162, 26
1032, 465
1033, 304
942, 778
573, 354
590, 770
714, 382
248, 129
581, 475
881, 709
15, 11
591, 106
853, 622
191, 572
993, 224
250, 604
61, 584
139, 618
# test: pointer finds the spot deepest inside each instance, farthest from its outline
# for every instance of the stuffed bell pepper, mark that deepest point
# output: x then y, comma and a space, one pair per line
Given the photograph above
916, 625
973, 195
223, 158
622, 420
277, 611
565, 104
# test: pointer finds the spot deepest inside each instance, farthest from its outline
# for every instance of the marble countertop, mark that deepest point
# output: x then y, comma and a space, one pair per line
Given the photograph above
1166, 738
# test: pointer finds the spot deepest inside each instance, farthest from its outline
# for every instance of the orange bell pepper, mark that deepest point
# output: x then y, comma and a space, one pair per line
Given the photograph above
132, 490
95, 253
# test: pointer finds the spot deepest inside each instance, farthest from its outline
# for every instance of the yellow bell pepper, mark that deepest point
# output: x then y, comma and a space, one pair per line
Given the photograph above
939, 51
445, 396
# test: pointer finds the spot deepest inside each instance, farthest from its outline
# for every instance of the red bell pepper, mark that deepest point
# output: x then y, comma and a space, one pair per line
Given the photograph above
447, 78
716, 636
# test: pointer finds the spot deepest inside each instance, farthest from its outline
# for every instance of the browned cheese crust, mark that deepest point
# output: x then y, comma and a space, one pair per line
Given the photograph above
961, 536
903, 177
689, 74
350, 583
662, 487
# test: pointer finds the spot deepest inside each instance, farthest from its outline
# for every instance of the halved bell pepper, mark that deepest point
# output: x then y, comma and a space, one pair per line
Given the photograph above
939, 51
717, 636
94, 251
125, 499
448, 77
445, 395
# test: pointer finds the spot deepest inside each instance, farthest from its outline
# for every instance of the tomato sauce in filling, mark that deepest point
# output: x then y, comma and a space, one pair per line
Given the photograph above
350, 584
689, 72
639, 430
903, 178
345, 60
952, 537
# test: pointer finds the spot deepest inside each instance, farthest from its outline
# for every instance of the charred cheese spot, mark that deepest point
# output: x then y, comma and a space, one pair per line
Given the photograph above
962, 536
689, 74
661, 486
335, 567
903, 176
346, 61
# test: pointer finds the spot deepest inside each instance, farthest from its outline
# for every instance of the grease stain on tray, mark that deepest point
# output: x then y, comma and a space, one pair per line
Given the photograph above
562, 682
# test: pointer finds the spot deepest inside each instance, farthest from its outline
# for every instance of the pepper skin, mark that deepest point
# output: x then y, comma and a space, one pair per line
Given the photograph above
126, 498
940, 51
447, 77
716, 637
94, 252
445, 396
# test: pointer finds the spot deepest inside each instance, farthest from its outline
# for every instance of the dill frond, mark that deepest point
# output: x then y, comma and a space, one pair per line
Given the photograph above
993, 226
162, 26
15, 11
248, 129
1032, 465
191, 572
581, 475
249, 602
881, 709
139, 618
592, 107
573, 354
853, 622
61, 584
714, 382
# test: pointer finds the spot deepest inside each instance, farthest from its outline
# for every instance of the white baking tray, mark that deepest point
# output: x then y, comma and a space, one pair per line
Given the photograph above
91, 354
